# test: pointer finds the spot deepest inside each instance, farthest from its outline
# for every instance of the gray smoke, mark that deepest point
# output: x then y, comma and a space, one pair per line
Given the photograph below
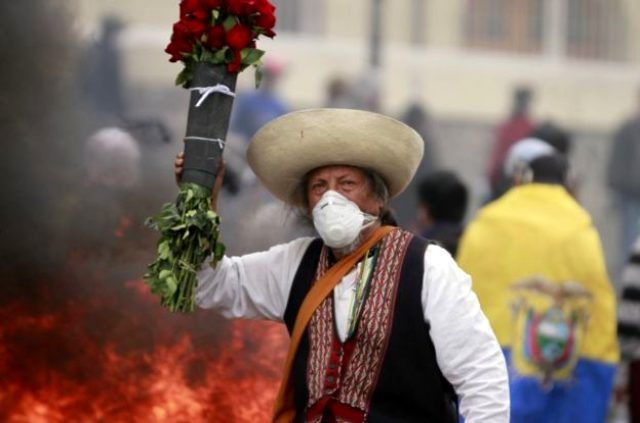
39, 127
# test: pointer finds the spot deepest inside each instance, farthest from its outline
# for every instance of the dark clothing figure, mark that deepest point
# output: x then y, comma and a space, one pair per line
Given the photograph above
624, 178
555, 136
447, 234
101, 76
416, 116
442, 198
624, 163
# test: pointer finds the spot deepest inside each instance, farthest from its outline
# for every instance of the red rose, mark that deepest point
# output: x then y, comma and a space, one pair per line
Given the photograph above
193, 8
212, 4
264, 7
240, 7
266, 21
236, 64
215, 37
175, 54
239, 37
266, 18
178, 46
194, 26
181, 30
189, 6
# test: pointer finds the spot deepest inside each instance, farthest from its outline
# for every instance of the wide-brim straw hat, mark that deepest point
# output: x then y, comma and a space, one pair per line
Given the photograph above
283, 151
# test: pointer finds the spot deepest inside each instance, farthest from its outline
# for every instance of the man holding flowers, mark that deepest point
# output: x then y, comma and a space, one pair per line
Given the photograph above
384, 324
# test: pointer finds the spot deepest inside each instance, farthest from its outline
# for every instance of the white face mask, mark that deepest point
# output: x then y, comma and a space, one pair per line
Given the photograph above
339, 220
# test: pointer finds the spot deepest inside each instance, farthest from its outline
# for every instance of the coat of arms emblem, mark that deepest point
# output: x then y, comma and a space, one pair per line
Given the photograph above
550, 319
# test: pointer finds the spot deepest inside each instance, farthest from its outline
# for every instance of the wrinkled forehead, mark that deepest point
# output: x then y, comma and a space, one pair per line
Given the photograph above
335, 171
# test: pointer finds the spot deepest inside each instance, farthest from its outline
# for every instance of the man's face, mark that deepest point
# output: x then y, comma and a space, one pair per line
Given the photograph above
349, 181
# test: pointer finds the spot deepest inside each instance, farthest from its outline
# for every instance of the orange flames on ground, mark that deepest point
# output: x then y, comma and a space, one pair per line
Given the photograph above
111, 354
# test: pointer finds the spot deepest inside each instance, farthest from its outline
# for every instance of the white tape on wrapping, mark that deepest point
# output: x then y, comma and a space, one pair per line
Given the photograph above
216, 140
207, 91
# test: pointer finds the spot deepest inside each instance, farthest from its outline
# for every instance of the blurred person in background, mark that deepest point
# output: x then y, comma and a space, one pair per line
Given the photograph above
415, 115
100, 73
339, 94
562, 141
253, 109
111, 159
624, 176
365, 90
539, 271
555, 140
255, 207
442, 205
515, 128
102, 213
629, 331
559, 138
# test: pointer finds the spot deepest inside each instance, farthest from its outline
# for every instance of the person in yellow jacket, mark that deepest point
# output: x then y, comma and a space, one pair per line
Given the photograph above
539, 272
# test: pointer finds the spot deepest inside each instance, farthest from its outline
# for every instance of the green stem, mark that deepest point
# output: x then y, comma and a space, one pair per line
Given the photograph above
182, 299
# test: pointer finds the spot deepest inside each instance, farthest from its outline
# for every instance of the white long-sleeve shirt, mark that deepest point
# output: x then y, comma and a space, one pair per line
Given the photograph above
257, 286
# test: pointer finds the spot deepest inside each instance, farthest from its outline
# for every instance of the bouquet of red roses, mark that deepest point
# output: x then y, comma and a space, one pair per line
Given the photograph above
215, 39
220, 32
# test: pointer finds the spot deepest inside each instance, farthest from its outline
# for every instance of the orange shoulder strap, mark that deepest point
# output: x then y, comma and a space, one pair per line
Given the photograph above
284, 411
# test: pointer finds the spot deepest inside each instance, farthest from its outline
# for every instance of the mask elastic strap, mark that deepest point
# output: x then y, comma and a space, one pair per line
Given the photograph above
369, 220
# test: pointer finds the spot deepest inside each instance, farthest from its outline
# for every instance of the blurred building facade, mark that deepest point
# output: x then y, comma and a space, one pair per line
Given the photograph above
464, 56
460, 58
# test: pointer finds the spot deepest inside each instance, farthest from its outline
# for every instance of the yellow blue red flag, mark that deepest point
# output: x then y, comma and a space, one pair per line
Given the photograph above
539, 272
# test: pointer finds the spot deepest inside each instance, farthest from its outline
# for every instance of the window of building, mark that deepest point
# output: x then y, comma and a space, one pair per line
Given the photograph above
511, 25
589, 29
305, 16
596, 29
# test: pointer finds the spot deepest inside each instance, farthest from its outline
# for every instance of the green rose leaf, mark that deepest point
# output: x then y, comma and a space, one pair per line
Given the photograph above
189, 232
220, 55
219, 250
184, 77
171, 285
251, 55
164, 251
230, 22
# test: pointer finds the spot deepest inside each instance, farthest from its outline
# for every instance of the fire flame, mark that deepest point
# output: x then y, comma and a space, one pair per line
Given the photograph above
111, 354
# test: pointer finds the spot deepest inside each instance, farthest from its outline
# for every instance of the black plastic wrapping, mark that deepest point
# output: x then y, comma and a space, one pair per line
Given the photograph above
208, 121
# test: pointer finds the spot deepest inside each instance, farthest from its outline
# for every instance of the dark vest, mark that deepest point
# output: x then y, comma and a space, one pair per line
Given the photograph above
409, 386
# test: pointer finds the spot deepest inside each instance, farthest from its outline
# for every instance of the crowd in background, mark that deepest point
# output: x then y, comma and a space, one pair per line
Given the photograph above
532, 249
